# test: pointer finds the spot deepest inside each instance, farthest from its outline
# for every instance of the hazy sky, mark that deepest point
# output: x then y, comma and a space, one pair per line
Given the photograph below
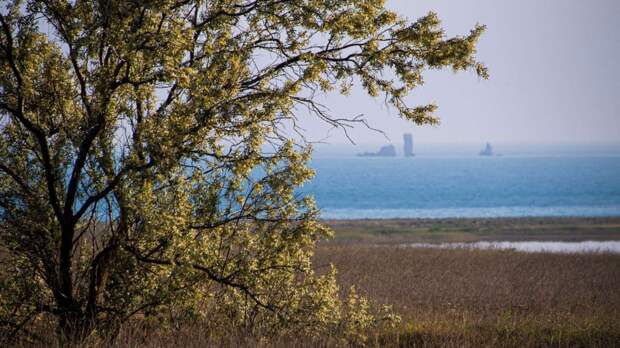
554, 76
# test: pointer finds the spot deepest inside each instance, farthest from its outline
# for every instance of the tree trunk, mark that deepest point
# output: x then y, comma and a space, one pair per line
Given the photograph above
74, 323
74, 326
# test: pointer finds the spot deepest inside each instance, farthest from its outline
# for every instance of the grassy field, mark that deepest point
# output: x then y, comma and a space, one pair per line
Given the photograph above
457, 298
483, 298
472, 230
486, 298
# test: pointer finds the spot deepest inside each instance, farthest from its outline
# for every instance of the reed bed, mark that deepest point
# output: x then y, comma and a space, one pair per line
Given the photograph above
486, 298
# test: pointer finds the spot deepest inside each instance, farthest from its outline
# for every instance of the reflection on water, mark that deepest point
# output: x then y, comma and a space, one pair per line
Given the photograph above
532, 247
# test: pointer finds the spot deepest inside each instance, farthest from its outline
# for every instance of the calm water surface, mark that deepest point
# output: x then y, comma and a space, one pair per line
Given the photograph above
442, 187
532, 247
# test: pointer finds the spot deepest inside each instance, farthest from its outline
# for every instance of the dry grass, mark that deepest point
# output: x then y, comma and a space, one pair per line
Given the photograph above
486, 298
471, 230
455, 298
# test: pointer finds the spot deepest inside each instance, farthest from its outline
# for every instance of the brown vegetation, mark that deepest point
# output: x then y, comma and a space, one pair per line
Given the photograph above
384, 231
452, 298
487, 298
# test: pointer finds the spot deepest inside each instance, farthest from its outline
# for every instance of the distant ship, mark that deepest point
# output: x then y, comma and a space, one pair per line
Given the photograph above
385, 151
487, 151
408, 146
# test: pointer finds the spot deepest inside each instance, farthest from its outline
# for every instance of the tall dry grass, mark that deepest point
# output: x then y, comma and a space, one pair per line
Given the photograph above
486, 298
446, 298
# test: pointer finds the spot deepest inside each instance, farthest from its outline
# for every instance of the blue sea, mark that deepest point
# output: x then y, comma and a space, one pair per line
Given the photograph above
443, 186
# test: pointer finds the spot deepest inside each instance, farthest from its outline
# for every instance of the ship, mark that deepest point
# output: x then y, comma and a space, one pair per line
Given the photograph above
487, 151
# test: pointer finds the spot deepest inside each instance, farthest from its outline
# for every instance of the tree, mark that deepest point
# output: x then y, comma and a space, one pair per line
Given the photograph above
146, 156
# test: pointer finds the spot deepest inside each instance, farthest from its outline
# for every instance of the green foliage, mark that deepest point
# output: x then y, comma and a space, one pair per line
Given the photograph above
146, 160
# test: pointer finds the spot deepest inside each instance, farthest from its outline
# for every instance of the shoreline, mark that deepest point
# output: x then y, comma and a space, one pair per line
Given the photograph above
441, 230
574, 217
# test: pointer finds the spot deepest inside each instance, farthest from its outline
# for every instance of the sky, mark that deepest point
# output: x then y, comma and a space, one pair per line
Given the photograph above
554, 77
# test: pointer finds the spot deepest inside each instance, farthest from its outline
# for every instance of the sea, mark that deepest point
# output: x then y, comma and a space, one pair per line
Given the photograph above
530, 185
